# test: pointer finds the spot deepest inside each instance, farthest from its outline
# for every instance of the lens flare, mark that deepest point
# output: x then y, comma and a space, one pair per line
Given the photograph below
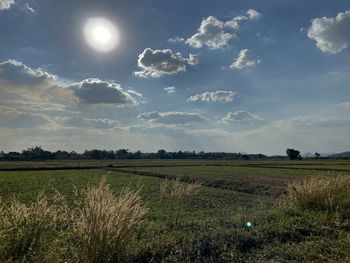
101, 34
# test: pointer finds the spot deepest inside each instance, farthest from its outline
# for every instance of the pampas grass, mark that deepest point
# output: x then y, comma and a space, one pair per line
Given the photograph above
24, 230
105, 223
325, 193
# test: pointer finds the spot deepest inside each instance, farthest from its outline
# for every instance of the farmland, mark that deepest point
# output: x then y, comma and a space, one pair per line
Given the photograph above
209, 225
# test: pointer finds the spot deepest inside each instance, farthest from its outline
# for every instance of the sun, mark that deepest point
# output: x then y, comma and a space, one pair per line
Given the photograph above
101, 34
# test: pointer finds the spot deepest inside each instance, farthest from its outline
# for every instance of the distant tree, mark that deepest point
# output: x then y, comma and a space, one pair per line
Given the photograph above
293, 154
122, 153
317, 155
161, 154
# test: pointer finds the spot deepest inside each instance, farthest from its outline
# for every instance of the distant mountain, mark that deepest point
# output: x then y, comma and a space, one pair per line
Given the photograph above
340, 155
310, 154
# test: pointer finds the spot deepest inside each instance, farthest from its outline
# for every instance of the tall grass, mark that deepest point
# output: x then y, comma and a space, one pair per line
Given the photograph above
25, 230
177, 191
329, 193
105, 223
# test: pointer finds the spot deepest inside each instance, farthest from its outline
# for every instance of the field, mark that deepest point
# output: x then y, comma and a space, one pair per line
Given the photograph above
235, 216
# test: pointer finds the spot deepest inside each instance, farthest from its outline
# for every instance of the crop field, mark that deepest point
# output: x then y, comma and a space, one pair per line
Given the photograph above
235, 215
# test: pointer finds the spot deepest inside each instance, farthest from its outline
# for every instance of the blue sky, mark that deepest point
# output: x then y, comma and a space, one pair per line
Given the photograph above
235, 76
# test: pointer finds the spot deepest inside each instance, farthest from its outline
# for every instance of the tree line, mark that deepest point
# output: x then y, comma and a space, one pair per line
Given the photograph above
39, 154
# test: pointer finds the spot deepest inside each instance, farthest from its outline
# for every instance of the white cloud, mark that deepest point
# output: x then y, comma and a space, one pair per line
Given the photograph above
95, 91
6, 4
214, 96
28, 8
26, 89
170, 89
332, 34
16, 73
251, 14
176, 40
211, 33
171, 118
81, 122
244, 60
241, 116
156, 63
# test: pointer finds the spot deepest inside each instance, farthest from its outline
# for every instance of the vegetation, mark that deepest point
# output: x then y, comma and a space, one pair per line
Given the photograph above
329, 193
173, 217
38, 154
293, 154
105, 223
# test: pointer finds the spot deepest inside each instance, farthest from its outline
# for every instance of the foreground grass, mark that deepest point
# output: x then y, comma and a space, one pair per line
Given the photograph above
212, 226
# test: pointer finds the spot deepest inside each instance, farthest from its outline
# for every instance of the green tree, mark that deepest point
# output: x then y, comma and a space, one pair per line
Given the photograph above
293, 154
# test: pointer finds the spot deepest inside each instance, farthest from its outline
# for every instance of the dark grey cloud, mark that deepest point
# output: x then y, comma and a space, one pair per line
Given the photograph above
241, 116
95, 91
171, 118
244, 60
214, 96
332, 34
156, 63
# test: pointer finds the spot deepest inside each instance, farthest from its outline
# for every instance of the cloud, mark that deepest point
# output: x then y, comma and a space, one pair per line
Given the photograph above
345, 105
6, 4
241, 116
211, 34
28, 8
170, 89
244, 60
171, 118
23, 88
176, 40
16, 73
251, 14
214, 96
156, 63
95, 91
81, 122
15, 119
332, 34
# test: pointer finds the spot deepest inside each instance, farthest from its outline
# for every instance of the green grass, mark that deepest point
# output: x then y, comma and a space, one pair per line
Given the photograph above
212, 227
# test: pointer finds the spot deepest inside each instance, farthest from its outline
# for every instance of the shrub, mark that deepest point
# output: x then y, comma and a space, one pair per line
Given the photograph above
105, 223
327, 193
25, 230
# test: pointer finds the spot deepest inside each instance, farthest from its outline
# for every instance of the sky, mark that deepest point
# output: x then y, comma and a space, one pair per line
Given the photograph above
235, 76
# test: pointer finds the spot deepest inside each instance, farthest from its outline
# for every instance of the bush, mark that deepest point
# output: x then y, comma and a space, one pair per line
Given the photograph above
327, 193
105, 223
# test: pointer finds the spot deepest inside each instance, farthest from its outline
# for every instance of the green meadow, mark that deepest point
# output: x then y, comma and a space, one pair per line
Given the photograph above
238, 214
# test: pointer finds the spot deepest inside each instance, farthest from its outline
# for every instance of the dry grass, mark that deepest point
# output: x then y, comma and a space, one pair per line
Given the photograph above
105, 223
24, 229
177, 189
326, 193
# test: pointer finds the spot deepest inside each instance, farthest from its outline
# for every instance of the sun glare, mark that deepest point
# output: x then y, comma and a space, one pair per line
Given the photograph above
101, 34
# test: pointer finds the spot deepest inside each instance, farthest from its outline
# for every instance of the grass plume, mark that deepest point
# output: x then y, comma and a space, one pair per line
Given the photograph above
106, 221
325, 193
